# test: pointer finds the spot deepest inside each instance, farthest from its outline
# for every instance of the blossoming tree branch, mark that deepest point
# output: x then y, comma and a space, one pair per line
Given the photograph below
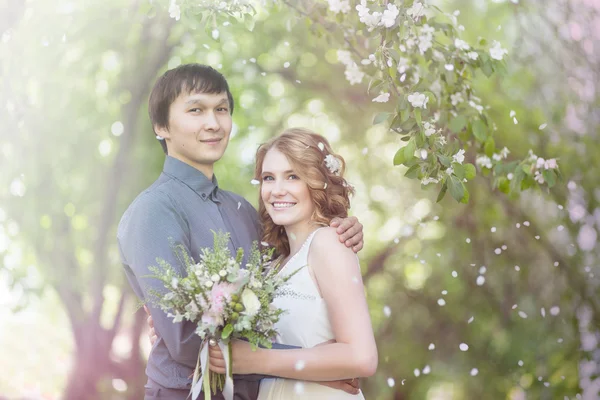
413, 59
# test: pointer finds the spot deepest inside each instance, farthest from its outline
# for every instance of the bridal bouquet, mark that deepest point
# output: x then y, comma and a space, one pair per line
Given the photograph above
224, 300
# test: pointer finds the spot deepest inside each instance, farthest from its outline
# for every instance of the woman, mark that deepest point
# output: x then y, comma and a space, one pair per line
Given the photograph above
302, 189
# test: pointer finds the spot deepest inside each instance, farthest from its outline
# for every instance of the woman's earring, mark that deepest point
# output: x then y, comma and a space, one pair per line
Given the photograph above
160, 137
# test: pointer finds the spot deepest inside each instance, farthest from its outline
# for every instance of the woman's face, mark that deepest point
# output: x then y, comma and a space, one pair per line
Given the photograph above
286, 197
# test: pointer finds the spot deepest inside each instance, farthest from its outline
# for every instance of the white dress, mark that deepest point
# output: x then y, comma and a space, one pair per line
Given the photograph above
305, 324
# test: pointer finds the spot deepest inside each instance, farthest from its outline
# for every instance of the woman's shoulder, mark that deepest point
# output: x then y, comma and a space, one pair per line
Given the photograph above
327, 240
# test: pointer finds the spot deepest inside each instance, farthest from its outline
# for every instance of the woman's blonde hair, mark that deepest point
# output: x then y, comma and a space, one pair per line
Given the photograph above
306, 152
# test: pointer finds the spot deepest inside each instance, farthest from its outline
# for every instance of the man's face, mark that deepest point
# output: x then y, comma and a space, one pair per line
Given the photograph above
199, 128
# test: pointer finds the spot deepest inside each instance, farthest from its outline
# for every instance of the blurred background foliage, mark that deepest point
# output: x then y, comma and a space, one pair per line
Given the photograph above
496, 299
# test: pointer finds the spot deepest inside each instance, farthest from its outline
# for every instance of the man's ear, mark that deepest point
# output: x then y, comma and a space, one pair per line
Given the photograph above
162, 131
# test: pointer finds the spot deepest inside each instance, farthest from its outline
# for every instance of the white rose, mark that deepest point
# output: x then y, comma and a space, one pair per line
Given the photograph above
222, 272
250, 302
215, 278
208, 284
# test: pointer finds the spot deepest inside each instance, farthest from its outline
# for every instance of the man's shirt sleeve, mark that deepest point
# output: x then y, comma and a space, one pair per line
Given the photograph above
149, 230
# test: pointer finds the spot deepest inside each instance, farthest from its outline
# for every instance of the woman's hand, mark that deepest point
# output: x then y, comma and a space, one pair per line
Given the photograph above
242, 357
151, 332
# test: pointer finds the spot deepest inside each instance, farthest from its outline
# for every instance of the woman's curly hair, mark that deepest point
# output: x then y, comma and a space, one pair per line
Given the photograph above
306, 152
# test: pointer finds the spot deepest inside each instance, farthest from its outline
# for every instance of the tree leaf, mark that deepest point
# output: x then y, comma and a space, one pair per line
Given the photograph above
479, 130
226, 331
466, 197
442, 192
458, 123
549, 177
381, 117
489, 147
459, 170
470, 171
413, 171
410, 149
456, 188
400, 158
417, 113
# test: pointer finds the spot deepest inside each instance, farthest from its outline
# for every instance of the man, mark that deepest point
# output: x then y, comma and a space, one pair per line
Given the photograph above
190, 109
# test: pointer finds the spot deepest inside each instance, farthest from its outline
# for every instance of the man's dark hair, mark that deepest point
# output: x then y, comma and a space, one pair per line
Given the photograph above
187, 78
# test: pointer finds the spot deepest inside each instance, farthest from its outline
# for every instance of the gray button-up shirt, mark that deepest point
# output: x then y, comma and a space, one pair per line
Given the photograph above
182, 205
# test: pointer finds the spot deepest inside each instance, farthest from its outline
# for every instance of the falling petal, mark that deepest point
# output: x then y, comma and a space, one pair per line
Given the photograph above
286, 64
441, 302
387, 311
520, 363
468, 240
542, 126
365, 151
512, 113
493, 229
300, 364
515, 121
555, 310
480, 280
299, 387
482, 270
292, 236
444, 292
543, 311
417, 372
431, 346
471, 320
239, 204
498, 251
321, 146
474, 372
391, 382
522, 314
255, 182
517, 268
426, 370
463, 347
454, 274
526, 223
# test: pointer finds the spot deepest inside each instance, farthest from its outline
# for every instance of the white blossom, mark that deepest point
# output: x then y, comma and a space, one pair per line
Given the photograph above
461, 44
427, 181
456, 98
459, 157
333, 164
539, 178
389, 16
449, 171
484, 161
476, 106
497, 52
353, 74
551, 164
429, 129
402, 65
250, 302
382, 98
416, 10
504, 152
337, 6
344, 57
174, 10
418, 100
371, 20
425, 43
473, 55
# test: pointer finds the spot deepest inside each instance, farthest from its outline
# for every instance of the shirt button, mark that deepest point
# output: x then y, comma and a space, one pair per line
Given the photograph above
203, 196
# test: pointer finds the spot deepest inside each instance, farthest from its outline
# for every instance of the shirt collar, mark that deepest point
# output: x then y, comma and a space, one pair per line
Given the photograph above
191, 177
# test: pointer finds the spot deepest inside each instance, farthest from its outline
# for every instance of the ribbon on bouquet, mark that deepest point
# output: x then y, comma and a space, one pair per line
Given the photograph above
201, 378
